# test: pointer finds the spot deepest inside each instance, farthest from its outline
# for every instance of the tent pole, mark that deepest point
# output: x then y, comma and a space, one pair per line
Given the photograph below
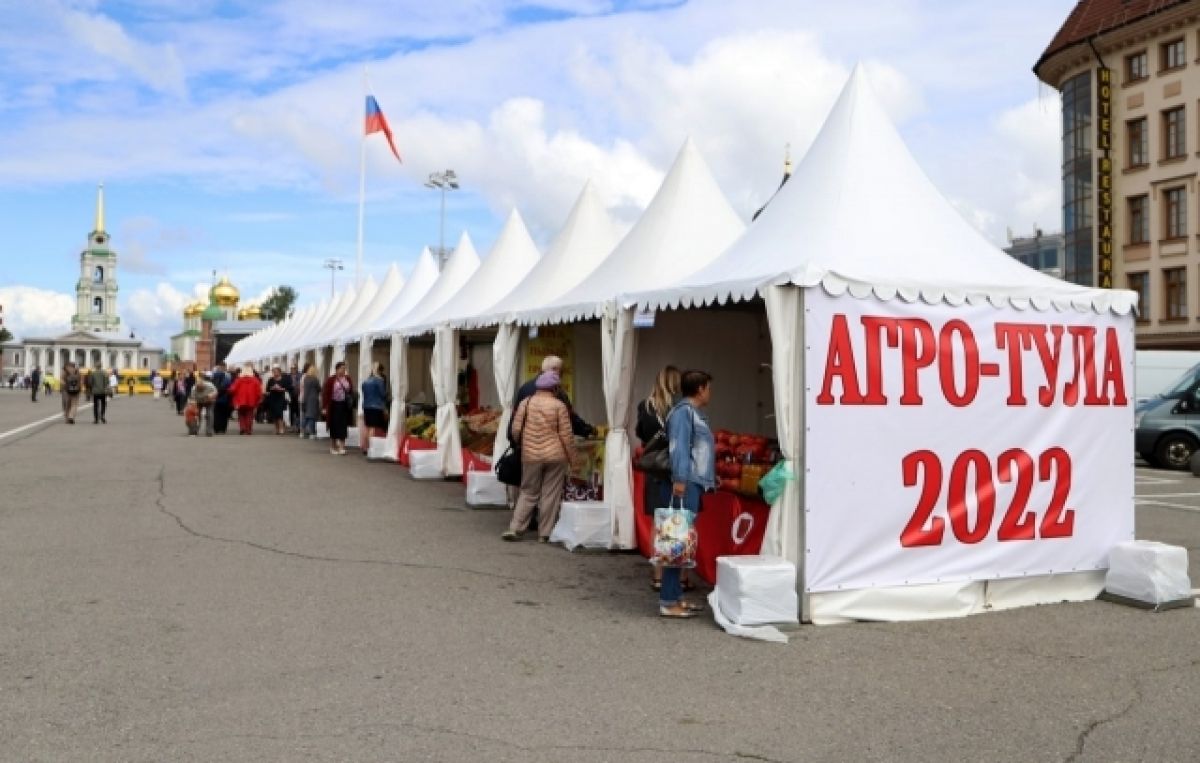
801, 461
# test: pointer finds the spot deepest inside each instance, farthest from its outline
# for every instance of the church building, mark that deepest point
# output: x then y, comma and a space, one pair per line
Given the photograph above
96, 336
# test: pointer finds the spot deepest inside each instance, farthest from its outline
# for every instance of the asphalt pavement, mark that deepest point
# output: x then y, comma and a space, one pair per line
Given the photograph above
168, 598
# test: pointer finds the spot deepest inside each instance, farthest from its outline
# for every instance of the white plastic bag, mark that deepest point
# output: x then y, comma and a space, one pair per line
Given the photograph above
425, 465
755, 590
1148, 571
583, 523
322, 430
485, 489
352, 438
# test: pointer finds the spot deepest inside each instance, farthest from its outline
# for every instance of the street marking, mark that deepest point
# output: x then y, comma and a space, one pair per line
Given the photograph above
19, 430
1154, 480
1164, 504
1170, 495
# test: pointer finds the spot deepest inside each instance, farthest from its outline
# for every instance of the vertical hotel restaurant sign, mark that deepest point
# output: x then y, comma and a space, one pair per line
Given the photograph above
968, 443
1104, 178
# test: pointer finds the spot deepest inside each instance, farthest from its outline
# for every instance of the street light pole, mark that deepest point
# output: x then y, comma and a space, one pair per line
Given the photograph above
443, 181
333, 265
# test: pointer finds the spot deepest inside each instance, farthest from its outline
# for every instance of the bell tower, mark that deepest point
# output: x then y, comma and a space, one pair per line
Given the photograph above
96, 292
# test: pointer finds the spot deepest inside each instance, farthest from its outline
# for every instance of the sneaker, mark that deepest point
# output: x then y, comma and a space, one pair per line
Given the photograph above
510, 535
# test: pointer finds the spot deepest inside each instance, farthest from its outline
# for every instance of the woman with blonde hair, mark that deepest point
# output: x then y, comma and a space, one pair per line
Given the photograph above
651, 430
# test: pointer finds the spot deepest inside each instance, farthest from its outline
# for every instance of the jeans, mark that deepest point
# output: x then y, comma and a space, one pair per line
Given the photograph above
310, 426
99, 407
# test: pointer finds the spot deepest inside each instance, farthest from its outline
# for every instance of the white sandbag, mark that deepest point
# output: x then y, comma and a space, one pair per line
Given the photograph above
756, 590
1148, 571
378, 450
352, 438
485, 489
583, 523
425, 465
322, 430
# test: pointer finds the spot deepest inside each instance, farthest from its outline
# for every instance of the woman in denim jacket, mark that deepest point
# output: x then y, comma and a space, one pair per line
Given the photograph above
693, 472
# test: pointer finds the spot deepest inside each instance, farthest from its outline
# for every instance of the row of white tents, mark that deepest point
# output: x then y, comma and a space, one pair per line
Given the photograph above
858, 217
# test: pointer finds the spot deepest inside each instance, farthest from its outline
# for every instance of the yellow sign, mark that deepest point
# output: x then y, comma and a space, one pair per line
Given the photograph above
552, 340
1104, 179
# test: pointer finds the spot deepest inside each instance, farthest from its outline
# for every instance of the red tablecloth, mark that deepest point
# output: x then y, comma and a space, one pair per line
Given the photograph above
473, 462
728, 524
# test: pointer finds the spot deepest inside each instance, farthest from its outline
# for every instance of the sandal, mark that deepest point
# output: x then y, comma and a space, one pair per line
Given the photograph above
677, 612
693, 606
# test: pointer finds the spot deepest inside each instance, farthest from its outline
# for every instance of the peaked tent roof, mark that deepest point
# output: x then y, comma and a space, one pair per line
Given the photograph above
463, 263
512, 257
361, 300
422, 278
308, 341
688, 223
587, 237
393, 282
860, 215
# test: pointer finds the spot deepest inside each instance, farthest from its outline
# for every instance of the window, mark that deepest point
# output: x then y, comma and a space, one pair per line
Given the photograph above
98, 275
1138, 138
1136, 67
97, 306
1077, 177
1176, 288
1174, 133
1172, 55
1139, 219
1140, 282
1175, 212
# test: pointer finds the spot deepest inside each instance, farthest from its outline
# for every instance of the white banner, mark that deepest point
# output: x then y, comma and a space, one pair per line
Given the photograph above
963, 443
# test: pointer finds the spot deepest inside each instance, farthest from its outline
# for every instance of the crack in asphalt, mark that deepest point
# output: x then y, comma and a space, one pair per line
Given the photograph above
1138, 696
161, 503
673, 751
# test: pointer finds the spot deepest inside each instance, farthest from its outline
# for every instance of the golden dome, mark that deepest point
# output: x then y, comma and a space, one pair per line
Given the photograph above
193, 309
224, 293
250, 313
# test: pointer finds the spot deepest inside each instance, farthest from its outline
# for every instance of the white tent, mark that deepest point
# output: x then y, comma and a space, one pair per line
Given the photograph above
362, 300
586, 238
420, 280
459, 268
351, 331
860, 218
687, 224
510, 260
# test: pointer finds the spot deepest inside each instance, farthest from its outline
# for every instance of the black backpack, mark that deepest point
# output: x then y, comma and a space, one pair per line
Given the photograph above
73, 387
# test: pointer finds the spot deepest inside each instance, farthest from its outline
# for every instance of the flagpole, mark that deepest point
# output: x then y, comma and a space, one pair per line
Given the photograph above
362, 185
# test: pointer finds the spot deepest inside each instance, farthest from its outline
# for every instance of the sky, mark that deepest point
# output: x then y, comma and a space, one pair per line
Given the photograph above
227, 132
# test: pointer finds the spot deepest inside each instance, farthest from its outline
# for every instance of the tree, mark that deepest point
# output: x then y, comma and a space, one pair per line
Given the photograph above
278, 305
5, 335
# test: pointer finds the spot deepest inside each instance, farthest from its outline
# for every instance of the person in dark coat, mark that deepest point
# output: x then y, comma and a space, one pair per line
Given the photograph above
652, 422
310, 400
277, 399
221, 409
337, 406
293, 380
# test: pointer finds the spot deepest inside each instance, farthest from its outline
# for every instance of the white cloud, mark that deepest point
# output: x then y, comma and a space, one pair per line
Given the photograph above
156, 65
29, 311
157, 314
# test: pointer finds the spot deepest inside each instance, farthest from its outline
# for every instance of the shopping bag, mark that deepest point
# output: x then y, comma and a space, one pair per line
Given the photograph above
674, 536
508, 467
775, 482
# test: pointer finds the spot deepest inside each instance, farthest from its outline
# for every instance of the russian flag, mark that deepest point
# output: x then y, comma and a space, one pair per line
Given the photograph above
377, 122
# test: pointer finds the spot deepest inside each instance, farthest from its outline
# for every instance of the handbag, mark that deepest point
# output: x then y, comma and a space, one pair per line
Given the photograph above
508, 466
675, 536
656, 456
